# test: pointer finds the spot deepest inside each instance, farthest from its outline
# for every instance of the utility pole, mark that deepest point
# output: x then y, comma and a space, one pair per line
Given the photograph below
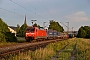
72, 29
44, 25
33, 21
66, 25
72, 32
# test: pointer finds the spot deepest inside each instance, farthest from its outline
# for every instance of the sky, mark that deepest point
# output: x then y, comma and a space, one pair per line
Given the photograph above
76, 12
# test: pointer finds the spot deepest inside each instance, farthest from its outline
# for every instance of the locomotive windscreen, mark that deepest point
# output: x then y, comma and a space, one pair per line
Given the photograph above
32, 29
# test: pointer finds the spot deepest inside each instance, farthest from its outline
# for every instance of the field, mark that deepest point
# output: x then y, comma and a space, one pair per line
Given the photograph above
78, 48
83, 49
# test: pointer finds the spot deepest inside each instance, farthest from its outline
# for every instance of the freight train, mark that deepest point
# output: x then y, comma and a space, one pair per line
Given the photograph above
34, 33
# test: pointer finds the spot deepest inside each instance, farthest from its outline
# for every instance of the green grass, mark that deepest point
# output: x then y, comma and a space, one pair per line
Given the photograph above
83, 49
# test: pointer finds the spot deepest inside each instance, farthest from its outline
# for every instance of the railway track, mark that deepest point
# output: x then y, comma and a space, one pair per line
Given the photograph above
5, 51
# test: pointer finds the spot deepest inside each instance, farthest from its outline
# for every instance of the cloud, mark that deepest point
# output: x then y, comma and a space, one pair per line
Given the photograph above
79, 16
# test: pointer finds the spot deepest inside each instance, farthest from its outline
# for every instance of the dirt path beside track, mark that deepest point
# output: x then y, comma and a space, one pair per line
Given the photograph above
73, 53
56, 56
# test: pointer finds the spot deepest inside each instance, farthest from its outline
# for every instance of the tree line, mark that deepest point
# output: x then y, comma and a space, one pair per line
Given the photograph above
53, 25
84, 32
6, 35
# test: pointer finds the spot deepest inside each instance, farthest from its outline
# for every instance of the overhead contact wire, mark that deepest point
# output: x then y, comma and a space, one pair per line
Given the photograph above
26, 9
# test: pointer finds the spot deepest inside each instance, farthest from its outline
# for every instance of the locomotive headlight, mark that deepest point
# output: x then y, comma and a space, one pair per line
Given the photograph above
27, 33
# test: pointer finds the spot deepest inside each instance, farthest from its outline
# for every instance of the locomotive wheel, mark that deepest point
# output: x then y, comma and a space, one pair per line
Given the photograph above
27, 40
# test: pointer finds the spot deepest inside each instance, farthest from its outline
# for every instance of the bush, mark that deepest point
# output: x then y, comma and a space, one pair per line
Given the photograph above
5, 34
2, 37
10, 37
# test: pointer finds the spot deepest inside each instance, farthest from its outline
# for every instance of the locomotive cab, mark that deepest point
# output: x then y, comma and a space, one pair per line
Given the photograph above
34, 33
30, 33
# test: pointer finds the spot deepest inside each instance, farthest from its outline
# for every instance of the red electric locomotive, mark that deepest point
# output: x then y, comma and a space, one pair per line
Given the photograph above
34, 33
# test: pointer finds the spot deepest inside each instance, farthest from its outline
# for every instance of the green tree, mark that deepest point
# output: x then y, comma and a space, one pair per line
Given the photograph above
60, 28
55, 26
2, 37
87, 30
5, 34
10, 37
3, 30
18, 28
3, 26
36, 25
81, 33
22, 30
